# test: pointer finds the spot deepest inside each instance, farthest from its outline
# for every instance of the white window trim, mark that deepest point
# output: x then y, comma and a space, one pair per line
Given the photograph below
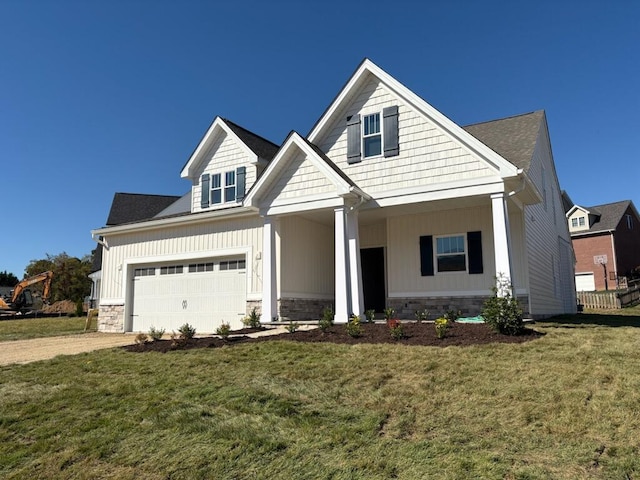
219, 188
381, 133
435, 254
223, 186
235, 186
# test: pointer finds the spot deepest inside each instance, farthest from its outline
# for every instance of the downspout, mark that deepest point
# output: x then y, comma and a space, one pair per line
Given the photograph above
98, 239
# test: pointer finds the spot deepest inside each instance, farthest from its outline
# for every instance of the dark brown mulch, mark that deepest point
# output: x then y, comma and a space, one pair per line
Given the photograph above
415, 334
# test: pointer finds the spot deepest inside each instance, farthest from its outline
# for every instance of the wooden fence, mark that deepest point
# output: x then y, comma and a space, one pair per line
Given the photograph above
609, 300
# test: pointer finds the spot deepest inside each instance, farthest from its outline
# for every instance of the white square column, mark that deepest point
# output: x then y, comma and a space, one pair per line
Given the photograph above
501, 241
269, 285
342, 286
355, 269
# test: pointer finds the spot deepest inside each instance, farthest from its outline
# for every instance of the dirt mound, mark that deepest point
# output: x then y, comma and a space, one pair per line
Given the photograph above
63, 306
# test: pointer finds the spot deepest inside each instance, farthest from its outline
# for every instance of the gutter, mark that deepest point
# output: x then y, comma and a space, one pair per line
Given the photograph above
98, 239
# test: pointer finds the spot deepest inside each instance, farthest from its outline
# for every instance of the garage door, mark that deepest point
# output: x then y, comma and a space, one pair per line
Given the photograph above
203, 294
585, 282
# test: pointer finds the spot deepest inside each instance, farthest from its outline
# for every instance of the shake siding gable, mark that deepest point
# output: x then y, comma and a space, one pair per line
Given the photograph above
427, 155
223, 155
299, 178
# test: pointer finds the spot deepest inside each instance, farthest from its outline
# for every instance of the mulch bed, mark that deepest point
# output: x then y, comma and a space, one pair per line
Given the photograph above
422, 334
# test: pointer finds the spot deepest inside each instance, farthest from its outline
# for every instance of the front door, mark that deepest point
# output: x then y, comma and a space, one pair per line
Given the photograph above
373, 278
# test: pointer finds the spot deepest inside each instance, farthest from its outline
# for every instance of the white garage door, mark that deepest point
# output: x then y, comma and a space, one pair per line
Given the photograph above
202, 294
585, 282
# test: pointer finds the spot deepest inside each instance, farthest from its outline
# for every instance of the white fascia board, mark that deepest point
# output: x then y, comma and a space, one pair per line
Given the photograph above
498, 163
194, 218
574, 208
442, 191
216, 127
326, 204
270, 174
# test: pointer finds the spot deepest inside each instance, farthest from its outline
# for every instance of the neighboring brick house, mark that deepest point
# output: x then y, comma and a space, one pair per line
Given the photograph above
606, 242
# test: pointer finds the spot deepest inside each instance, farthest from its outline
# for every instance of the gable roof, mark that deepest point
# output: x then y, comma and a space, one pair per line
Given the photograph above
256, 147
608, 216
363, 73
344, 185
134, 207
513, 138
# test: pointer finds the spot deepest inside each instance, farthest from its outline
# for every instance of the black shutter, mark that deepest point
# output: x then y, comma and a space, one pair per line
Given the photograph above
426, 256
353, 139
390, 126
204, 190
474, 243
241, 173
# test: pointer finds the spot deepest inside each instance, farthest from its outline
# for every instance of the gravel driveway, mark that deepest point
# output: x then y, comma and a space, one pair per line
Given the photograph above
25, 351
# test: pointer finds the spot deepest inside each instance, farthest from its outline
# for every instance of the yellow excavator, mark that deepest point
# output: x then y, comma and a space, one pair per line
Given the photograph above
20, 299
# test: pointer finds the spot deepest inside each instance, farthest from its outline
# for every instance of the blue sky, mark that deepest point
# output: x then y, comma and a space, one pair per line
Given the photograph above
113, 96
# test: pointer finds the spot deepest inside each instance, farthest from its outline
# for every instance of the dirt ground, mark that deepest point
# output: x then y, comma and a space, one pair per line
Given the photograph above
35, 349
415, 334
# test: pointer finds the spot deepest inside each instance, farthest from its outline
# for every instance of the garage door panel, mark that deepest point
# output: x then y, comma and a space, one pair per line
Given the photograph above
202, 299
585, 282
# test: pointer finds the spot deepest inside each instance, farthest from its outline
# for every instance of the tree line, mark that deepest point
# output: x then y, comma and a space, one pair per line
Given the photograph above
70, 276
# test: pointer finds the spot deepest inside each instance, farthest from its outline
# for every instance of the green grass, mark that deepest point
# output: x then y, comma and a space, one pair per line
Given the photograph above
564, 406
42, 327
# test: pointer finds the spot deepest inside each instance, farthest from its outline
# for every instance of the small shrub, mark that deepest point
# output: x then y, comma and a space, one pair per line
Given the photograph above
253, 320
292, 327
388, 313
503, 313
452, 315
354, 329
79, 308
396, 329
370, 315
421, 315
442, 325
224, 330
327, 319
141, 339
156, 333
187, 332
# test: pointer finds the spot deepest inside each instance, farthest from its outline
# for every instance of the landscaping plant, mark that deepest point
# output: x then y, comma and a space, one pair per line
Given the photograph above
224, 330
396, 329
354, 329
327, 319
253, 320
292, 327
502, 311
156, 333
388, 313
441, 324
187, 332
421, 315
370, 315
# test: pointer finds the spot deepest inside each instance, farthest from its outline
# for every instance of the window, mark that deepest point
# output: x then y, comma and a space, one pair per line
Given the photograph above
371, 136
171, 270
144, 272
230, 186
216, 189
201, 267
232, 265
581, 221
450, 254
578, 222
629, 221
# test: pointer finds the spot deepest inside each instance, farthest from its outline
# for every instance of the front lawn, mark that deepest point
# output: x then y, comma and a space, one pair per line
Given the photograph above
563, 406
26, 328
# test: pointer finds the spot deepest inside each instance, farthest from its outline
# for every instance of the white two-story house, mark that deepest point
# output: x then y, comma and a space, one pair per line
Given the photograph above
385, 203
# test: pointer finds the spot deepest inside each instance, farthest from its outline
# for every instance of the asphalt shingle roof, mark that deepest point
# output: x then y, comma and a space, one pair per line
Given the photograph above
134, 207
513, 138
262, 147
610, 215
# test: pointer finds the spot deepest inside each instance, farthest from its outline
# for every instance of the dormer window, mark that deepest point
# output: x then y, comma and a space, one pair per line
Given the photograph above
577, 222
371, 136
213, 188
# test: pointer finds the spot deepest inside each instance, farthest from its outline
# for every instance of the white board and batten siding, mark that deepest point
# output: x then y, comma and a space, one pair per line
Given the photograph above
403, 253
222, 156
428, 155
307, 252
547, 238
182, 245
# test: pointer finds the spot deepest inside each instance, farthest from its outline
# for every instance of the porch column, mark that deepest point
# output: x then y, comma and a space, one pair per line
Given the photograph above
269, 299
355, 270
501, 239
342, 295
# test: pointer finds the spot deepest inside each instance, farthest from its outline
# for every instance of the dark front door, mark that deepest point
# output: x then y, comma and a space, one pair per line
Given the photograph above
373, 279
